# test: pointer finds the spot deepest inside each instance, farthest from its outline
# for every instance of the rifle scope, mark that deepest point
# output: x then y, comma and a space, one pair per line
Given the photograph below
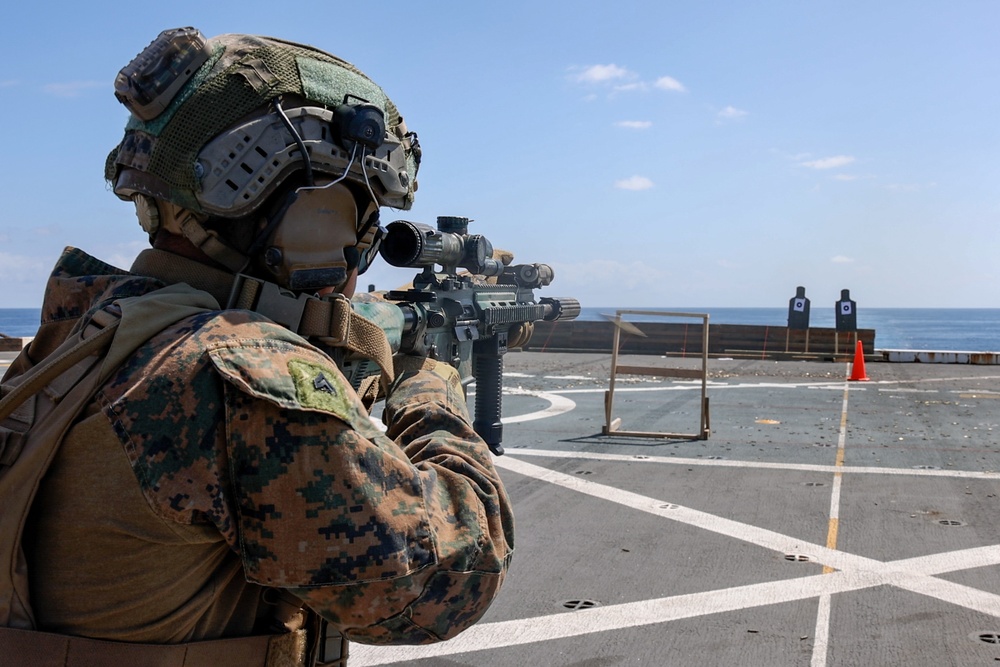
413, 244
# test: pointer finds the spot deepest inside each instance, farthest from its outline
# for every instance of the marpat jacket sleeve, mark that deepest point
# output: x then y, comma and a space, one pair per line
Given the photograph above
396, 537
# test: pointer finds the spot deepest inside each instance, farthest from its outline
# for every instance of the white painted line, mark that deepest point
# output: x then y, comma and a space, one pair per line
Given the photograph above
835, 384
667, 509
821, 634
503, 634
697, 383
946, 591
856, 573
835, 497
906, 390
933, 564
839, 465
925, 380
690, 387
821, 643
876, 572
557, 406
762, 465
568, 377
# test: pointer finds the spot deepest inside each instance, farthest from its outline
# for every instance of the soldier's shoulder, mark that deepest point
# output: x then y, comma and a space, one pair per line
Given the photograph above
271, 363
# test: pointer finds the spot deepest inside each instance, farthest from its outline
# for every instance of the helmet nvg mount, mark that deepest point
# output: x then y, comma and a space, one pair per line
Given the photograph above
219, 124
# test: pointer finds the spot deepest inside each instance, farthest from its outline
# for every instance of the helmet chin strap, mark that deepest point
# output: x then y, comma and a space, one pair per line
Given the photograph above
208, 241
156, 214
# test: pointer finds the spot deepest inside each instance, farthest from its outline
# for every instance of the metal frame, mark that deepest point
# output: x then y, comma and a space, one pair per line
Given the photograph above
612, 425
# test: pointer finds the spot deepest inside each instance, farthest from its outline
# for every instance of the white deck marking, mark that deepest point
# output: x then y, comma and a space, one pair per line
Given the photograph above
503, 634
764, 465
844, 572
668, 509
821, 643
831, 384
557, 405
854, 573
907, 390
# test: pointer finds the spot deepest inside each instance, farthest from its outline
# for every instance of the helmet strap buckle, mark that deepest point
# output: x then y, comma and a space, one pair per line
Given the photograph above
281, 306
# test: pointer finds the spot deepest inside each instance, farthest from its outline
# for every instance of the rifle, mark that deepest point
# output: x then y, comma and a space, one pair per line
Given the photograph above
468, 320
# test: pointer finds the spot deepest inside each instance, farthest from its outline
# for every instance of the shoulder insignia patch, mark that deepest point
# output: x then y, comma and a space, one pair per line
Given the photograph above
318, 388
292, 376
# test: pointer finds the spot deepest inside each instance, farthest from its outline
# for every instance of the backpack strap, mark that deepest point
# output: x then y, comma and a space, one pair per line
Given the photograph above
29, 406
331, 320
38, 406
27, 648
94, 338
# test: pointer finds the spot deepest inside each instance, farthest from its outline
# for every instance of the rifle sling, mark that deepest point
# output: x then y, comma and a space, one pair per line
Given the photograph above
331, 320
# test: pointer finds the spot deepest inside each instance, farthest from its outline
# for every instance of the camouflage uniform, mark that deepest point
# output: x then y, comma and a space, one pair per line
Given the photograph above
228, 455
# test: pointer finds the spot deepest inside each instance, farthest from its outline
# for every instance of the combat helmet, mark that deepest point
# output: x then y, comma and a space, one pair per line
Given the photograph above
219, 125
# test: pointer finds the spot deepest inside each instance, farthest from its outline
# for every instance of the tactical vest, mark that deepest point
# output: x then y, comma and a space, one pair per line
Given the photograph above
38, 404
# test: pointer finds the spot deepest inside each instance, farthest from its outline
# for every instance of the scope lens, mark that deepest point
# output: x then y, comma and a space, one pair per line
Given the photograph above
403, 243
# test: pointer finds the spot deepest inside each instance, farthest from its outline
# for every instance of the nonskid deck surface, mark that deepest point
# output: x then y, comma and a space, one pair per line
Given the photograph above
823, 522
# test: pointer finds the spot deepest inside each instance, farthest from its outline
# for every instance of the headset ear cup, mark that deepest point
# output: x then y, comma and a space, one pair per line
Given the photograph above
147, 210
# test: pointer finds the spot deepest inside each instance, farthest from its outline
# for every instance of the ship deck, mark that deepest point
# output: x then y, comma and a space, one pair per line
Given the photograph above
823, 521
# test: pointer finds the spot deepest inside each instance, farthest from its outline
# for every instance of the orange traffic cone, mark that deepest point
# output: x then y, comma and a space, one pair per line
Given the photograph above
858, 369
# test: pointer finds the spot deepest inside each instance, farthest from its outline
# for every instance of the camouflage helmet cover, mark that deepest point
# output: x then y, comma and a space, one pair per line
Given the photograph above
218, 148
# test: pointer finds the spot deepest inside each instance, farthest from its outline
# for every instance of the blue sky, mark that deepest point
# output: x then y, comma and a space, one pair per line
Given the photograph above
656, 154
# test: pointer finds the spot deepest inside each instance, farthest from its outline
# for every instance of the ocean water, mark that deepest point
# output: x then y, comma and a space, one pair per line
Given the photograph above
962, 329
19, 321
956, 329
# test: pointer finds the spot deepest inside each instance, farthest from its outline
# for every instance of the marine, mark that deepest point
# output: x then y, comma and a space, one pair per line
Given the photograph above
196, 478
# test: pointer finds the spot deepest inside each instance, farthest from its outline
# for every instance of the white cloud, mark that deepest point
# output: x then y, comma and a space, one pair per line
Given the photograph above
828, 162
635, 124
621, 79
731, 112
841, 259
634, 183
72, 88
639, 86
670, 83
603, 73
